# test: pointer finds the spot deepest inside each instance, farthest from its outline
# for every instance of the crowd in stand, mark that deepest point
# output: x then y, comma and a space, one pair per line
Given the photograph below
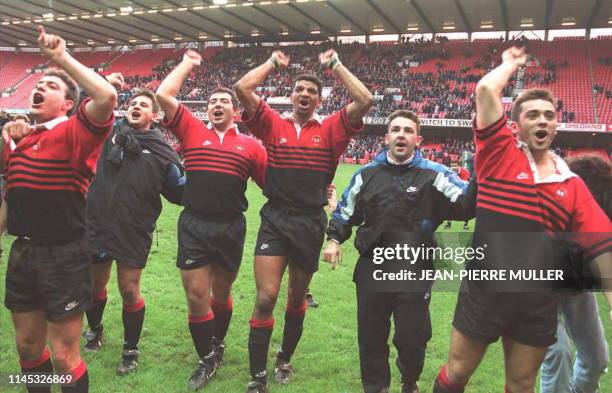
385, 69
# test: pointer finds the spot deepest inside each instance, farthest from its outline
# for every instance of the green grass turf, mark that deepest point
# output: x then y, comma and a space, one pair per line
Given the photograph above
326, 359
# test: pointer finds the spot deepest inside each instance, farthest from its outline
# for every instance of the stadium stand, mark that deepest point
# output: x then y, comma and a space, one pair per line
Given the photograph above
437, 80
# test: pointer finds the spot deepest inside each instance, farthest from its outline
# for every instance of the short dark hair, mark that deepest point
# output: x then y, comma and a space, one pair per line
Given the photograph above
72, 89
596, 174
528, 95
139, 91
310, 78
406, 114
229, 91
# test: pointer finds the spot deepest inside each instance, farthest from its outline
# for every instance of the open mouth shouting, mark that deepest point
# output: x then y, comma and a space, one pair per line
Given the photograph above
37, 100
135, 115
304, 103
217, 115
541, 135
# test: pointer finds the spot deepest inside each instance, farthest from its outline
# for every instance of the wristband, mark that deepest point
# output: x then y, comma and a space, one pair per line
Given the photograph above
334, 63
274, 61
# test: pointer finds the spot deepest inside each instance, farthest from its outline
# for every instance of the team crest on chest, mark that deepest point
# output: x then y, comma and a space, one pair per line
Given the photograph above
36, 147
560, 193
239, 147
316, 139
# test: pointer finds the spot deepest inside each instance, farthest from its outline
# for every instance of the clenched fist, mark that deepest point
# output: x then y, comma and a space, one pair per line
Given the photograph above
515, 55
116, 79
279, 59
193, 58
329, 59
15, 130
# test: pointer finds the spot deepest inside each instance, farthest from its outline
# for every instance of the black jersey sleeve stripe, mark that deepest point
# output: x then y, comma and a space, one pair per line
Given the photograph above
177, 118
560, 208
486, 132
552, 216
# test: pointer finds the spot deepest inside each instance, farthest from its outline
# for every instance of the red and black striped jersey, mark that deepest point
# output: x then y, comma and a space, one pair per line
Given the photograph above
217, 167
301, 161
48, 174
512, 197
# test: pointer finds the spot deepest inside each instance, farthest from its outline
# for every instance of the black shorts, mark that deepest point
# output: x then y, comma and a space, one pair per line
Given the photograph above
294, 233
104, 257
202, 242
528, 318
53, 278
101, 257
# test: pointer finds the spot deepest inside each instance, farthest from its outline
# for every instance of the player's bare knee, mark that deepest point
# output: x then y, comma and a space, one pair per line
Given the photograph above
266, 300
457, 371
198, 300
221, 295
130, 293
30, 350
66, 359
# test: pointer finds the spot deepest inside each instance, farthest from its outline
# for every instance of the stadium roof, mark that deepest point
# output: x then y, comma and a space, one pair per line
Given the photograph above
114, 22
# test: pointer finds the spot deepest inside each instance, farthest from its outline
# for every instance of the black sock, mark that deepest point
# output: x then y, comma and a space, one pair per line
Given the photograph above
95, 312
259, 343
292, 332
444, 385
202, 330
80, 383
223, 316
38, 366
133, 318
